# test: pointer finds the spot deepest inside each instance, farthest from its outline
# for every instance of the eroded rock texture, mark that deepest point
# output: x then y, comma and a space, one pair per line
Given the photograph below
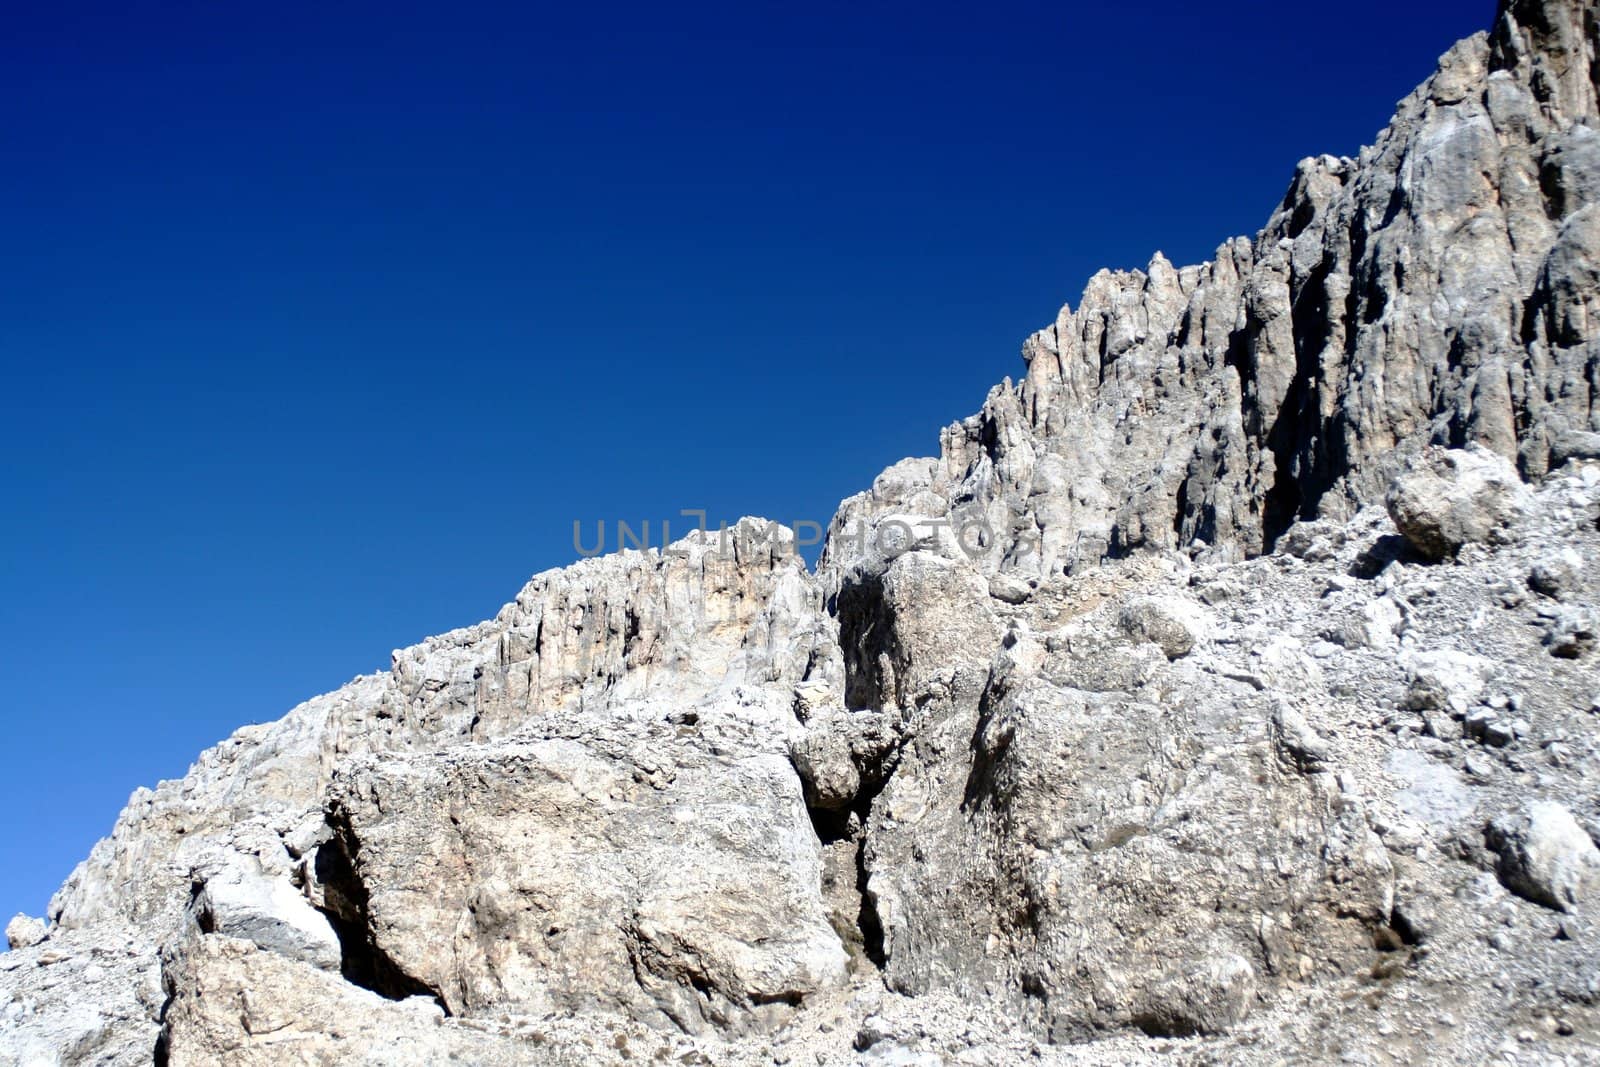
1224, 691
640, 869
1436, 288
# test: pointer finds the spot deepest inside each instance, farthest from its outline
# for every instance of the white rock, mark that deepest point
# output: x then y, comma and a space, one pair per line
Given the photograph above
1380, 624
1009, 588
1556, 575
660, 793
24, 931
236, 898
1545, 855
1445, 679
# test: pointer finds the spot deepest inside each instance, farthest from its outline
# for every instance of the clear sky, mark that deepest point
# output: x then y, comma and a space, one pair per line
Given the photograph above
321, 324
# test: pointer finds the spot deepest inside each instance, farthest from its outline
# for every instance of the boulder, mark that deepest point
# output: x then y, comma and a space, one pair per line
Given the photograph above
24, 931
235, 897
624, 868
1545, 855
1455, 497
1173, 625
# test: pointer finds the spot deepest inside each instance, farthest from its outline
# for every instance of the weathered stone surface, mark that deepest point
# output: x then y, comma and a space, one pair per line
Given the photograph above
1545, 855
672, 878
235, 896
1444, 679
1131, 719
1556, 575
1296, 373
1084, 831
1456, 497
1011, 590
1172, 625
24, 931
1572, 631
233, 1005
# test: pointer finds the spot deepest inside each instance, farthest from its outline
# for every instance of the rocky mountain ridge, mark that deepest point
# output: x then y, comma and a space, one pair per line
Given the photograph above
1223, 692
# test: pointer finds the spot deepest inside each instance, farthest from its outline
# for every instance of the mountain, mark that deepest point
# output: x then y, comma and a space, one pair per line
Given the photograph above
1225, 690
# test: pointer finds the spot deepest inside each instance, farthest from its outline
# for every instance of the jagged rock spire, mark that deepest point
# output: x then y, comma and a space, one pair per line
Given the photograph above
1556, 41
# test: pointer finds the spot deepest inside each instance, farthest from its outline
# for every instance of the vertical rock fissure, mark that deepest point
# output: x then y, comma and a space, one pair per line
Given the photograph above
1296, 438
345, 904
842, 833
866, 629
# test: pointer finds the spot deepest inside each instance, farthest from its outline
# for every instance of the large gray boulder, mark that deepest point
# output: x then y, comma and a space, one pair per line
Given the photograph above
1455, 497
635, 866
1085, 831
235, 896
1545, 855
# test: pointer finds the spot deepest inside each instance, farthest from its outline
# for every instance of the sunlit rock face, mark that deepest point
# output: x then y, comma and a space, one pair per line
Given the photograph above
1223, 691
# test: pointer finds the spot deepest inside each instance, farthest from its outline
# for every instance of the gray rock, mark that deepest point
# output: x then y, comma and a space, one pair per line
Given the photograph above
235, 897
1572, 631
1175, 626
1557, 574
1315, 542
1444, 679
990, 776
1545, 855
828, 769
1574, 445
1498, 734
220, 1013
1434, 793
1456, 497
1010, 589
1380, 624
594, 866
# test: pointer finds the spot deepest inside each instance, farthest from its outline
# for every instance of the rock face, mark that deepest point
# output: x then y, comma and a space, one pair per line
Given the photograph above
1085, 827
1224, 691
1436, 289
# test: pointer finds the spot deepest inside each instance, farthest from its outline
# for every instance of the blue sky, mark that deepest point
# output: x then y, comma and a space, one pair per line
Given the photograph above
321, 325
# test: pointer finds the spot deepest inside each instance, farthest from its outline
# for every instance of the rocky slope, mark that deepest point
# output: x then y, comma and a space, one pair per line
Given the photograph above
1224, 691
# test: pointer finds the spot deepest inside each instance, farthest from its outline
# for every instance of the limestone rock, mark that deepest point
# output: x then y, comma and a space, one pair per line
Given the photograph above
233, 1005
1456, 497
1379, 625
1572, 631
629, 869
1081, 828
1444, 679
24, 931
1545, 855
235, 897
1172, 625
1556, 575
840, 756
1009, 589
991, 779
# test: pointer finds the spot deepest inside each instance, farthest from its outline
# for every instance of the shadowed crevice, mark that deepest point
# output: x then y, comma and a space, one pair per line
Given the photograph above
362, 961
838, 830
